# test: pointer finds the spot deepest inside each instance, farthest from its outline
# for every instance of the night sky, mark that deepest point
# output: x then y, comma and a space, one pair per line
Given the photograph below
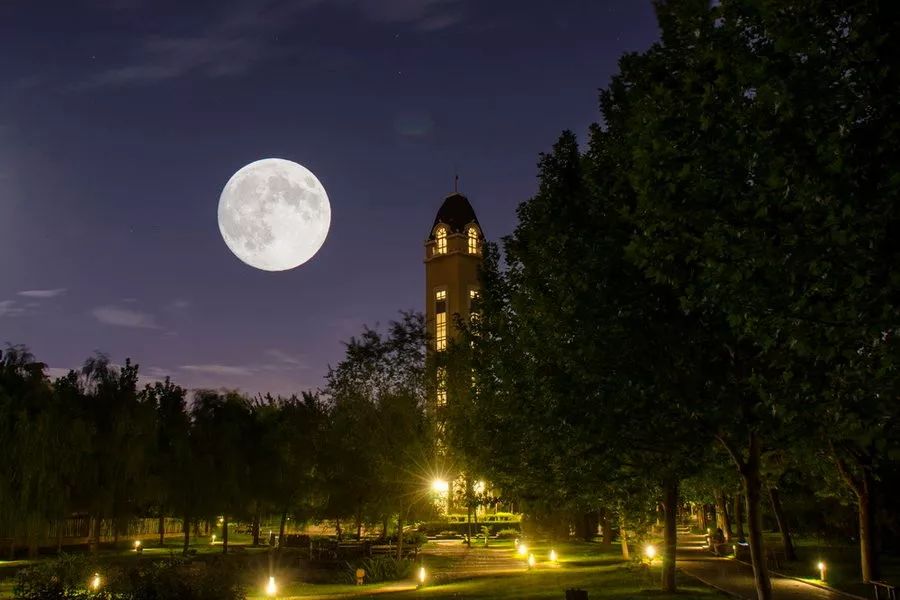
121, 121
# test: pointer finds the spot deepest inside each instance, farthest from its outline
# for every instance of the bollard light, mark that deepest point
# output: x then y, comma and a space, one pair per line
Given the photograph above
734, 548
212, 539
271, 587
821, 567
422, 576
553, 556
531, 561
95, 582
650, 552
522, 550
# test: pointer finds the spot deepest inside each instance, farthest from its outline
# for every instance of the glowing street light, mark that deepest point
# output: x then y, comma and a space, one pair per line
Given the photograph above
95, 582
440, 486
137, 545
650, 552
553, 556
821, 567
531, 561
422, 575
271, 588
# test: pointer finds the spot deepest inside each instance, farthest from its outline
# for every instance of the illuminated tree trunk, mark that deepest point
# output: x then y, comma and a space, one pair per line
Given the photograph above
623, 535
400, 534
670, 533
186, 529
863, 487
281, 527
724, 517
256, 526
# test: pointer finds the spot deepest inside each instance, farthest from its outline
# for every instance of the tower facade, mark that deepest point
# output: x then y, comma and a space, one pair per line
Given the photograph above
452, 259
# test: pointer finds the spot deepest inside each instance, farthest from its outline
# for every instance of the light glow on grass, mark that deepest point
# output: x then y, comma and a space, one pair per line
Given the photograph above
271, 588
553, 556
522, 549
96, 582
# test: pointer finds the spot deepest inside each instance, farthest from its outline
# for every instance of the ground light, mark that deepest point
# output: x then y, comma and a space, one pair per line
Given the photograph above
95, 582
422, 575
650, 552
734, 549
271, 588
821, 567
137, 545
522, 550
531, 561
212, 539
553, 556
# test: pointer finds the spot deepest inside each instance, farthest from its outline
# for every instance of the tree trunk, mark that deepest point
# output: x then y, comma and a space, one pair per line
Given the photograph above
400, 534
670, 532
607, 530
60, 523
281, 527
359, 525
863, 486
724, 520
868, 554
623, 536
739, 516
225, 534
186, 529
162, 530
384, 528
256, 526
704, 518
789, 553
753, 490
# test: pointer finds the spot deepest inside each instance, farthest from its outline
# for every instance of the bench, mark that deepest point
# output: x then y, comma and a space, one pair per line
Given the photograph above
889, 590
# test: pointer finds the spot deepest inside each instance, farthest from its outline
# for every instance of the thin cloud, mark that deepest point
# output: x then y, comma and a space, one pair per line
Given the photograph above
124, 317
53, 293
213, 369
285, 358
245, 34
8, 308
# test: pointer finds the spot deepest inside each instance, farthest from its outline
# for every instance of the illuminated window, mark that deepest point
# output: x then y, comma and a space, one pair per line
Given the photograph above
440, 320
440, 237
441, 386
473, 240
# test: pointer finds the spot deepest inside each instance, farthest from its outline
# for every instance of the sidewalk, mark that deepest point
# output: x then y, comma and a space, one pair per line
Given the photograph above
736, 578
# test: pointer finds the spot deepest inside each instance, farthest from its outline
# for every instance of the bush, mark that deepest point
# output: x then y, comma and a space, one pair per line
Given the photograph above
509, 533
384, 568
172, 579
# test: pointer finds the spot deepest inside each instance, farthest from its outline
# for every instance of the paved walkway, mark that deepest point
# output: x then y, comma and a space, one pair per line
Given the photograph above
736, 577
474, 562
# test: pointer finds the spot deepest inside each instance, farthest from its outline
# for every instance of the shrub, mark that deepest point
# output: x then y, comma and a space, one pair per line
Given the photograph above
509, 533
384, 568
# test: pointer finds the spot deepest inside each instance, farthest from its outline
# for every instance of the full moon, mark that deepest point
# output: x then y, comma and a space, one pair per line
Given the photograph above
274, 214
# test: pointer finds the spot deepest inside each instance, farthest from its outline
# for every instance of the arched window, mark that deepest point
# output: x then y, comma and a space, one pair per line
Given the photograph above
473, 240
440, 237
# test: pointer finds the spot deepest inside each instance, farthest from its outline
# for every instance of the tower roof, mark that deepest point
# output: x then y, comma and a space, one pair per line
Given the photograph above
455, 213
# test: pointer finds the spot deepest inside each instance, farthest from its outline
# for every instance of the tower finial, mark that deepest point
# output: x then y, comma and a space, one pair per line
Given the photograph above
456, 183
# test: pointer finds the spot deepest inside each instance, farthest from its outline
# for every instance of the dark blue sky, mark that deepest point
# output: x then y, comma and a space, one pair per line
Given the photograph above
121, 121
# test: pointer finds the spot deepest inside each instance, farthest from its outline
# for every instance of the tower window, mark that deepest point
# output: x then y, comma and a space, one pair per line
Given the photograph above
473, 240
441, 396
440, 320
440, 237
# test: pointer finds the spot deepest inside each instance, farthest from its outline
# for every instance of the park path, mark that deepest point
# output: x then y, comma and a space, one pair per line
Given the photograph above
736, 578
465, 563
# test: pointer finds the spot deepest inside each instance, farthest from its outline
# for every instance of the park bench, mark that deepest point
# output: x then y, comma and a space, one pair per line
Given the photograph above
775, 558
890, 591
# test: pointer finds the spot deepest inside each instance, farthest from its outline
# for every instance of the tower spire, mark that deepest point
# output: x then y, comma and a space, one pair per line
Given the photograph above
456, 183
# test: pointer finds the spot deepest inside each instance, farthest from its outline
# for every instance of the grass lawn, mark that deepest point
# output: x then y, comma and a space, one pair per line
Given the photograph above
841, 562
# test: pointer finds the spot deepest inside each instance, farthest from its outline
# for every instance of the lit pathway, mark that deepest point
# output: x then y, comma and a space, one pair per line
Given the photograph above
736, 577
464, 563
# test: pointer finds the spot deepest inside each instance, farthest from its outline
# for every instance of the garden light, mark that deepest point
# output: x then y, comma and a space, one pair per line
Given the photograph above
212, 539
650, 552
95, 582
821, 567
137, 545
553, 556
531, 561
422, 575
271, 588
522, 550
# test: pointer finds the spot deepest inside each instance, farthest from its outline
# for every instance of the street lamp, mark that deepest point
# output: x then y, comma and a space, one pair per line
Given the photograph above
531, 561
650, 552
440, 486
522, 549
